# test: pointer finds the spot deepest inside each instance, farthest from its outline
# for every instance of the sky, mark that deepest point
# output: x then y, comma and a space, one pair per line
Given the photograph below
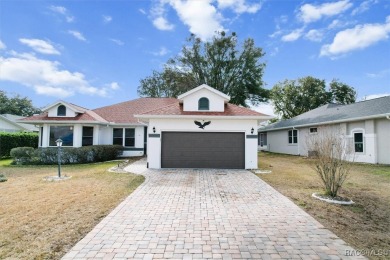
94, 53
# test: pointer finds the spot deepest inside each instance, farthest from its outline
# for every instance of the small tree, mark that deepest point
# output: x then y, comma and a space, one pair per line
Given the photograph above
333, 158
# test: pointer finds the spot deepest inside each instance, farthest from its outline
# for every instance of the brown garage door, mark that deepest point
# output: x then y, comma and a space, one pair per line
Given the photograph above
203, 150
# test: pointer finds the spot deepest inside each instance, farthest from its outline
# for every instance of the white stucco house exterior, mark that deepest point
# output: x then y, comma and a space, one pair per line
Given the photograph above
365, 125
199, 129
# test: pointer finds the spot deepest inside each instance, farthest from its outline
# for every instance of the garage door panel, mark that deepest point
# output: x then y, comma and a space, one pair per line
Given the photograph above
203, 150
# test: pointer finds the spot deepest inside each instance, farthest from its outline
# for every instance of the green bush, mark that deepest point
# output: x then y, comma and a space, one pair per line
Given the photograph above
23, 155
3, 178
13, 140
86, 154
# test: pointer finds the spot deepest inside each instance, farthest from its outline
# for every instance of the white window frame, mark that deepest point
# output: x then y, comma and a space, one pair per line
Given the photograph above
314, 132
292, 137
123, 135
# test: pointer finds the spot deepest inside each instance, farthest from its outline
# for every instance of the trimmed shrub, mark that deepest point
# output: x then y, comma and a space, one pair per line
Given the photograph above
3, 178
13, 140
86, 154
23, 155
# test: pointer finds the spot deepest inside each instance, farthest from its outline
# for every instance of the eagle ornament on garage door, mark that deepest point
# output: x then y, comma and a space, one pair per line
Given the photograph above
202, 125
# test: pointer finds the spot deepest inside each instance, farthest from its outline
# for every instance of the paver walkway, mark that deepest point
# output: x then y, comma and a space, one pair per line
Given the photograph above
203, 214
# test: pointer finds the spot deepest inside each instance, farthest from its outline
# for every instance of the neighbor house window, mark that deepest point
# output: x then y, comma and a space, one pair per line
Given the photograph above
65, 133
313, 130
358, 140
203, 104
293, 136
87, 136
124, 136
61, 110
263, 139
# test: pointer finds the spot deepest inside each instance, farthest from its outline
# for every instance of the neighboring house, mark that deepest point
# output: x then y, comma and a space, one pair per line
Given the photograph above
9, 123
200, 129
365, 124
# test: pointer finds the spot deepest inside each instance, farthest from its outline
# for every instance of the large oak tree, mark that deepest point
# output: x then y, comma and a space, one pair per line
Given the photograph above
222, 63
16, 105
294, 97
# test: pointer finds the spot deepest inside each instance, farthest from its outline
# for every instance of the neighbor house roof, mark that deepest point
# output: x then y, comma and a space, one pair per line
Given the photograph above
333, 113
13, 119
176, 109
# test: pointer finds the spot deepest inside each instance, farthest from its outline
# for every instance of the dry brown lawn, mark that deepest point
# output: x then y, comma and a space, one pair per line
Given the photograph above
43, 220
365, 225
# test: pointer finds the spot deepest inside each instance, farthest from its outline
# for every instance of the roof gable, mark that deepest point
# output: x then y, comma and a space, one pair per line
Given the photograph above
204, 86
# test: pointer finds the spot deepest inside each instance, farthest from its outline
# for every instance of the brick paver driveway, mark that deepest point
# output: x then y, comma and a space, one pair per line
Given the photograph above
202, 214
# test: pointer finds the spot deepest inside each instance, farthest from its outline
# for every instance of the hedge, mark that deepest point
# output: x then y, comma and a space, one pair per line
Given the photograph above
19, 139
69, 155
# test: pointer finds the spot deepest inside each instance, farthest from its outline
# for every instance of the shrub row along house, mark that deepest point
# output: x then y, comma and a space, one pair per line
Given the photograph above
199, 129
366, 125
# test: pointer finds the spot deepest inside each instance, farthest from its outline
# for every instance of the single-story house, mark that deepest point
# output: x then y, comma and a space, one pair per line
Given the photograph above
199, 129
9, 123
365, 124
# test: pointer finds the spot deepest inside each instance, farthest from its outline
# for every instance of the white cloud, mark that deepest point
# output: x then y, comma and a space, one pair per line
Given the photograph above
63, 11
311, 13
114, 85
45, 77
239, 6
142, 11
293, 36
40, 46
374, 96
2, 45
107, 18
379, 74
314, 35
158, 15
162, 24
118, 42
162, 52
363, 7
359, 37
201, 17
264, 108
77, 35
339, 23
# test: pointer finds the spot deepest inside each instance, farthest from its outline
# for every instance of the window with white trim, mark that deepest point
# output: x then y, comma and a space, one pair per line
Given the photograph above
124, 137
203, 104
313, 130
87, 138
293, 136
65, 133
358, 142
61, 110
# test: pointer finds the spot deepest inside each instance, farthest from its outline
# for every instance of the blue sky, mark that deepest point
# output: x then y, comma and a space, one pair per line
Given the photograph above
94, 53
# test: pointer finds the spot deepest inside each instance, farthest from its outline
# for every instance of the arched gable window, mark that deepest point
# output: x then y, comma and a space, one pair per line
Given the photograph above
203, 104
61, 110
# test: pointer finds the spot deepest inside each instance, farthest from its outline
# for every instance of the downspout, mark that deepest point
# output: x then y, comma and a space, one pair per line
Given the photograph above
388, 116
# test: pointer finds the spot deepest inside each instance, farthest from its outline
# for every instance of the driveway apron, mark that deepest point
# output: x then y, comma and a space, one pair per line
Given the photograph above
208, 214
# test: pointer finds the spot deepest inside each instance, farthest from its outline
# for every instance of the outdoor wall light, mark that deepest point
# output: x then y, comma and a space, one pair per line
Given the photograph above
252, 130
154, 129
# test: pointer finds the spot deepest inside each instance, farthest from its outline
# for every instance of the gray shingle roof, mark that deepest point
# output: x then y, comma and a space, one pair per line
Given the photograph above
333, 112
14, 119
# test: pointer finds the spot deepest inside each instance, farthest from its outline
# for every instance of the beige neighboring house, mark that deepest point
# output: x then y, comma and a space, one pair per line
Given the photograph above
9, 123
365, 124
